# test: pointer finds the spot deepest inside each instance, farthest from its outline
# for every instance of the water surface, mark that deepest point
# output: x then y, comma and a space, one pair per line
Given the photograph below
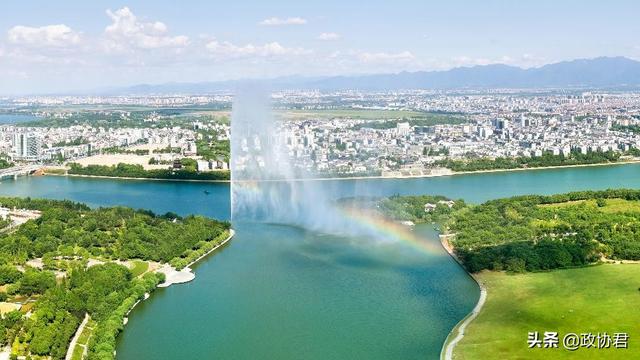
280, 292
16, 118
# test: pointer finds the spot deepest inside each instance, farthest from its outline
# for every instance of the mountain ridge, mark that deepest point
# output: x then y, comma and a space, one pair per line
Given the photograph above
600, 72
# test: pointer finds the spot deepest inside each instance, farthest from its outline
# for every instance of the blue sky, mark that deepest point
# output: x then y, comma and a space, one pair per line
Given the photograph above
66, 45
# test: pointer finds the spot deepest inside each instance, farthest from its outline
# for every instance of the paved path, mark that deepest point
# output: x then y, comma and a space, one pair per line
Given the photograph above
74, 341
448, 351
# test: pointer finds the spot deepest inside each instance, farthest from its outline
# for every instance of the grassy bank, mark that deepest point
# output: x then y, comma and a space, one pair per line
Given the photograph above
591, 299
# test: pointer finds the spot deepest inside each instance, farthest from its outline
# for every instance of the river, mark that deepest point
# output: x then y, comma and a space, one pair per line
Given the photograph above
10, 119
280, 292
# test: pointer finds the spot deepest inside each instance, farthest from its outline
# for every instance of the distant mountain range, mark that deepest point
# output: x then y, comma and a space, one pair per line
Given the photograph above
602, 72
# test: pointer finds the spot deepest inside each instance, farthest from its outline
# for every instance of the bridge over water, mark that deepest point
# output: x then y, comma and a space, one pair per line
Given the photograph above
15, 171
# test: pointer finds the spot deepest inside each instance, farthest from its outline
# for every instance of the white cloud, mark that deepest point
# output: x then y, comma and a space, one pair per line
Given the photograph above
275, 21
45, 36
226, 49
469, 61
400, 58
127, 32
328, 36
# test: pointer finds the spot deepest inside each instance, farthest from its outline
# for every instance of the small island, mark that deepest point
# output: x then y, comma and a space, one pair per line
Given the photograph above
70, 274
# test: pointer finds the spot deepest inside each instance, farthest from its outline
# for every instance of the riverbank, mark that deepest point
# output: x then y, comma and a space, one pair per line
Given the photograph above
451, 342
137, 178
372, 177
174, 276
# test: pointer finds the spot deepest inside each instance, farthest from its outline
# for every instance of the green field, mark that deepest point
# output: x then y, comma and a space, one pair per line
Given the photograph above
593, 299
611, 205
139, 268
365, 114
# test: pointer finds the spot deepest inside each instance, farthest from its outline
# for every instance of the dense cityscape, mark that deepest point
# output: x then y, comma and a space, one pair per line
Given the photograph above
412, 133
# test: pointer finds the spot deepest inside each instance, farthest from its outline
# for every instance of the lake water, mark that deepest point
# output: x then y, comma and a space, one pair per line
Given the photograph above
280, 292
16, 118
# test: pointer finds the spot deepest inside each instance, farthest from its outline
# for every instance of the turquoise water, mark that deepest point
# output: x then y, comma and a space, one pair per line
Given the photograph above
280, 292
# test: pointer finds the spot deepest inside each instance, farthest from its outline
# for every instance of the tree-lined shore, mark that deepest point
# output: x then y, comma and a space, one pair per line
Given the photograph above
70, 260
533, 232
137, 171
544, 263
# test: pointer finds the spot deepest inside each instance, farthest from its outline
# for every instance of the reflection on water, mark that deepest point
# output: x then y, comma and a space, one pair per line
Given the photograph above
281, 292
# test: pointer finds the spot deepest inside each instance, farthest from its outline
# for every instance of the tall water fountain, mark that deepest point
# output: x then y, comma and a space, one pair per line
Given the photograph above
265, 186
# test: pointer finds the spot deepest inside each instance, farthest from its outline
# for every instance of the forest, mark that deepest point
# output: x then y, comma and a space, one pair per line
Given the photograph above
137, 171
412, 208
59, 294
532, 233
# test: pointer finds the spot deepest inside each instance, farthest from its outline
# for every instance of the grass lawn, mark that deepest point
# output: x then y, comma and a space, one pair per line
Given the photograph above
365, 114
139, 267
593, 299
78, 351
611, 205
83, 339
55, 171
6, 307
621, 205
25, 308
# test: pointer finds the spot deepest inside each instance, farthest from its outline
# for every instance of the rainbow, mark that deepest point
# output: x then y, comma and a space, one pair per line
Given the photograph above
391, 229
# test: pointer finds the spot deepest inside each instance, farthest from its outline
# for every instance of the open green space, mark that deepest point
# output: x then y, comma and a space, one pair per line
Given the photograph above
78, 353
83, 341
593, 299
531, 233
364, 114
139, 268
131, 117
606, 205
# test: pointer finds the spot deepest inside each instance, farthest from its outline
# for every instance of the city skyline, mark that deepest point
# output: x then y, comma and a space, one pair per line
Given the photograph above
76, 46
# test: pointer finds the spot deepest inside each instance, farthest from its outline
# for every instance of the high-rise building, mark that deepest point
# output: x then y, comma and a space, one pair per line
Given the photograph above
403, 128
26, 146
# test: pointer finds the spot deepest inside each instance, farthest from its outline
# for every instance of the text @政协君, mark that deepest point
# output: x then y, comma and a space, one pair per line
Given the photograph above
574, 341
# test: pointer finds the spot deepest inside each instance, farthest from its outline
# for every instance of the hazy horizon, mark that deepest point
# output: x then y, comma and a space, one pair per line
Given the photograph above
77, 45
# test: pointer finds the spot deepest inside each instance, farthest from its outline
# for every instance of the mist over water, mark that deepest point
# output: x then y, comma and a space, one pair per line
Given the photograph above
265, 186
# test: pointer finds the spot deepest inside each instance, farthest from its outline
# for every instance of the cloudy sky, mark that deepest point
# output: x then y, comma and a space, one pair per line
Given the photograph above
77, 44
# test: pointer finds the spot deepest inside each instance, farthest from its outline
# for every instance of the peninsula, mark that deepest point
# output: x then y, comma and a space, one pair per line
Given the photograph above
68, 269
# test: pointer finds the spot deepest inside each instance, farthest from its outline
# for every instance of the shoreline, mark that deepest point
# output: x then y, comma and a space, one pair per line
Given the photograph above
147, 295
372, 177
173, 276
232, 233
135, 178
450, 343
